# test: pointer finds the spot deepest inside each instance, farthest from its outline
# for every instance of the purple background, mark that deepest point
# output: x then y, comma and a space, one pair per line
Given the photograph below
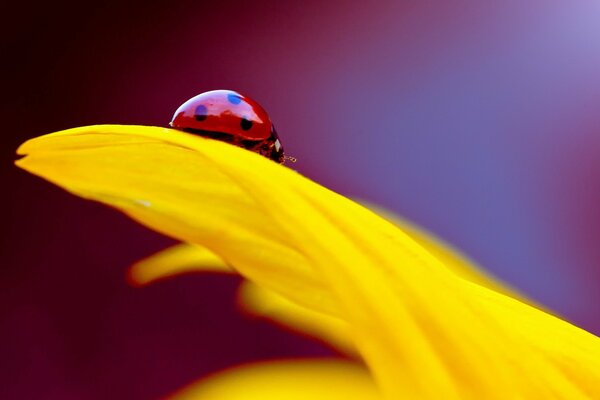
478, 120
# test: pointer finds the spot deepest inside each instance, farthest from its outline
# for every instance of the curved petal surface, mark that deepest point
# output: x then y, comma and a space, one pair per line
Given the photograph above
289, 380
423, 331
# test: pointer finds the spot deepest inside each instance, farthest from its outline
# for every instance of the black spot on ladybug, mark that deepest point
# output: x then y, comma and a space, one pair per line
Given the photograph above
234, 98
246, 124
200, 113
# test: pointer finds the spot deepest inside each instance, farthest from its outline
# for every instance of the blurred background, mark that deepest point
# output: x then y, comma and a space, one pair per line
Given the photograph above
477, 120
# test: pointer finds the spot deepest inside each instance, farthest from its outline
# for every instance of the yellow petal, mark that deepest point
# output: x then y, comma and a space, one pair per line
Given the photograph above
423, 331
286, 380
409, 314
177, 260
155, 176
257, 300
268, 304
262, 302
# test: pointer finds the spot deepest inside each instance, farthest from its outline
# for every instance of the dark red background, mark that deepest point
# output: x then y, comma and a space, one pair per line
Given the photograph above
479, 121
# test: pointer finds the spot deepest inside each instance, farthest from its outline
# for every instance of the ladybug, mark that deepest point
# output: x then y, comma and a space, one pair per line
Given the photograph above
233, 118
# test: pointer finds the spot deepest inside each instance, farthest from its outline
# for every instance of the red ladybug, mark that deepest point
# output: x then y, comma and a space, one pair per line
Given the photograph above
233, 118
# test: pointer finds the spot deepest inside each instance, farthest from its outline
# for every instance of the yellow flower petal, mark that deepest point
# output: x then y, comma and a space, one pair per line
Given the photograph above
185, 258
423, 331
266, 303
286, 380
154, 175
262, 302
177, 260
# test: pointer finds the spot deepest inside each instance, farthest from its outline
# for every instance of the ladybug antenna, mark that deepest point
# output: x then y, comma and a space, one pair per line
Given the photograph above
290, 159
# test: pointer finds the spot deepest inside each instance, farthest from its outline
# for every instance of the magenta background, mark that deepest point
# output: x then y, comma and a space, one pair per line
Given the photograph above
478, 121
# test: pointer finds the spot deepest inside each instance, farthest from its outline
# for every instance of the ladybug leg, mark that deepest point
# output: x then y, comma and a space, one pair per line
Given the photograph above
223, 137
264, 148
270, 148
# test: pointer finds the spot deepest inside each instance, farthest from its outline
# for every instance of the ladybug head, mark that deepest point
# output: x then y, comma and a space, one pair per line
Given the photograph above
223, 112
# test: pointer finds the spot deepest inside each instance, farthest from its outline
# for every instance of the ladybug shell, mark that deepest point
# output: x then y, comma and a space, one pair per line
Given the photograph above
224, 111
